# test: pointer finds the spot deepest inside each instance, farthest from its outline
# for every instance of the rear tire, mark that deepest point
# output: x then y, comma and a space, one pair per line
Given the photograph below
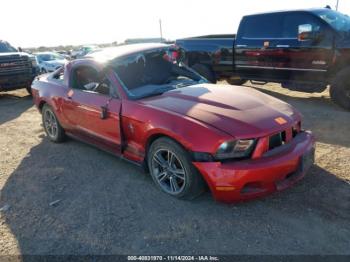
52, 127
169, 163
205, 71
340, 89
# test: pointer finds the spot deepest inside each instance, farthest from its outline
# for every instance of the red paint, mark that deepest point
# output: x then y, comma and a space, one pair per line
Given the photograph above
200, 118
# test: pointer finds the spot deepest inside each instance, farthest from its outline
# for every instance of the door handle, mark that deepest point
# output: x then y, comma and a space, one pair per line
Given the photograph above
241, 46
283, 46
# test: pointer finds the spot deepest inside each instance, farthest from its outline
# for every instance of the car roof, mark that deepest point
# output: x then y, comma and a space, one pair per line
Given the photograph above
310, 10
111, 53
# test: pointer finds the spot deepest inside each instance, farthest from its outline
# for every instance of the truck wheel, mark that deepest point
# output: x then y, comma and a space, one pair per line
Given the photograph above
340, 89
205, 71
171, 169
236, 81
29, 89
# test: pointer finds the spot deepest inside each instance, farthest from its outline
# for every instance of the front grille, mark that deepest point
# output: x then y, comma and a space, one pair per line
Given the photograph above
14, 65
283, 137
277, 140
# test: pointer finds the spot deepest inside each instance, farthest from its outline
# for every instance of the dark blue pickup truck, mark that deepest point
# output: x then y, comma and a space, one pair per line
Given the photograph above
17, 69
305, 50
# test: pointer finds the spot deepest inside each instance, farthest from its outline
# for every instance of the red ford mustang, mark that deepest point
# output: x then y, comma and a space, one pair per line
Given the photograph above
141, 103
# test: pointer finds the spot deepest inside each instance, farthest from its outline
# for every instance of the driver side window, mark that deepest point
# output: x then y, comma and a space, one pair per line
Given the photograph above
87, 78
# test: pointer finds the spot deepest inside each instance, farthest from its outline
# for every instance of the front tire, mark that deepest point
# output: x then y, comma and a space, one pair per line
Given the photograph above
52, 127
171, 169
340, 89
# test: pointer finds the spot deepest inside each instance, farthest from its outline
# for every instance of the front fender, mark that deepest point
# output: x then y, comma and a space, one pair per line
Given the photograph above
141, 124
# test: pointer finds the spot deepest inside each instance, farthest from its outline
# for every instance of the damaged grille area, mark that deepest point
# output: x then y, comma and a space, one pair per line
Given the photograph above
283, 137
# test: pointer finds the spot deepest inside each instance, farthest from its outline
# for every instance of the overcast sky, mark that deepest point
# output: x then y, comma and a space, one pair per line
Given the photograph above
30, 23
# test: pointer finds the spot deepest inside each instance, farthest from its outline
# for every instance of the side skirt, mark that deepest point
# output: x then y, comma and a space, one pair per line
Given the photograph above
138, 164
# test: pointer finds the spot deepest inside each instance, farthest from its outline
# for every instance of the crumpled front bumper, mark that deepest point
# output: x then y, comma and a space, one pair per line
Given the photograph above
276, 170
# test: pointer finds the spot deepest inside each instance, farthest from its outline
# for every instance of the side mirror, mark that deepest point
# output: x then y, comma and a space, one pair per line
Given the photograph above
306, 33
20, 49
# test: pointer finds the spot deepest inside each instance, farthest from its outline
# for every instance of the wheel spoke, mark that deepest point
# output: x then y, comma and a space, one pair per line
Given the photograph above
178, 171
179, 174
54, 129
47, 117
158, 158
173, 185
171, 159
161, 176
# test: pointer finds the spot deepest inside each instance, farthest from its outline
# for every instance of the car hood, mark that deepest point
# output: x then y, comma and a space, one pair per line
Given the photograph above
239, 111
15, 54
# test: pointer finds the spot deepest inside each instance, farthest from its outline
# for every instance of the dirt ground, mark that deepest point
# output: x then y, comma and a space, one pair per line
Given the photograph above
72, 198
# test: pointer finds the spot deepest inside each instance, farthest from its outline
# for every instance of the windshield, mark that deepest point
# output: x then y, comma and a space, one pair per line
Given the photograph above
49, 57
338, 21
154, 73
6, 47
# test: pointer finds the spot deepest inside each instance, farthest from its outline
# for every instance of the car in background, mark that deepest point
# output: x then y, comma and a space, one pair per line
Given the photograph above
304, 50
50, 61
65, 54
17, 69
141, 103
82, 51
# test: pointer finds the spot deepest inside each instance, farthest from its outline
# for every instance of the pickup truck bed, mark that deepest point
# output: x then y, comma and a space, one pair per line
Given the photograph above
213, 51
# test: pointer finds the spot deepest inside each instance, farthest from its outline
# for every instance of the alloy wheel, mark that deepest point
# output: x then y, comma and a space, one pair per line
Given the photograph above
169, 171
50, 123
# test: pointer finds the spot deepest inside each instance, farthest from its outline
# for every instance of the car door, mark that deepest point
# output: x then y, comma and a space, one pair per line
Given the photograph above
96, 113
255, 51
306, 47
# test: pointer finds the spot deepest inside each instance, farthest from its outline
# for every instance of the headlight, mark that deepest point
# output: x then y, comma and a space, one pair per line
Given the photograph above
34, 62
235, 149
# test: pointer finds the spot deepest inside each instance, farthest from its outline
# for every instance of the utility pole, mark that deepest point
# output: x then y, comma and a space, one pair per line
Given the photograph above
161, 30
336, 7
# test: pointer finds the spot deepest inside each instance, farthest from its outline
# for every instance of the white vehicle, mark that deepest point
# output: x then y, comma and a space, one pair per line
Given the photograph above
50, 61
84, 50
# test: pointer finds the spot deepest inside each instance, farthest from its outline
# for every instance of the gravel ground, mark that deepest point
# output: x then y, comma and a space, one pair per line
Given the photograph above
72, 198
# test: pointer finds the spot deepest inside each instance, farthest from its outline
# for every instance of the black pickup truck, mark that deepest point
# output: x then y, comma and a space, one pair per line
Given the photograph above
304, 50
17, 69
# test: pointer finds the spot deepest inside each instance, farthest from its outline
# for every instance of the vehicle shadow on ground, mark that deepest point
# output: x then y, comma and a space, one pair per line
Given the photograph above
102, 205
15, 105
320, 114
